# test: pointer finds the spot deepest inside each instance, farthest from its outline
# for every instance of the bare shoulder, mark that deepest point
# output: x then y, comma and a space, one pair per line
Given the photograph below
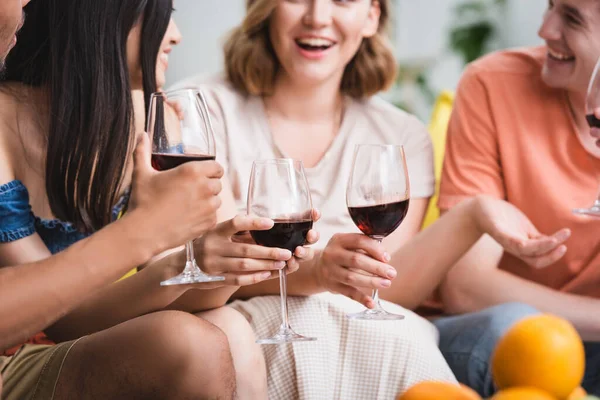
8, 134
21, 141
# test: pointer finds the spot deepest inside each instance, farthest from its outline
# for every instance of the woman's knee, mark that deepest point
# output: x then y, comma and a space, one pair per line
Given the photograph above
161, 355
193, 354
248, 357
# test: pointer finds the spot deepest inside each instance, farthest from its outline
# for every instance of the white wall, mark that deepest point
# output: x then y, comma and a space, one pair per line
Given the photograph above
203, 24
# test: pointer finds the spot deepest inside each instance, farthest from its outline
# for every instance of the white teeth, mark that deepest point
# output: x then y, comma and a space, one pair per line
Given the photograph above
164, 58
315, 42
559, 56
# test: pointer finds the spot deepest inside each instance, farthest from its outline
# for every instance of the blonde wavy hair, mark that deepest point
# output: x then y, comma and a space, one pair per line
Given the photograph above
251, 64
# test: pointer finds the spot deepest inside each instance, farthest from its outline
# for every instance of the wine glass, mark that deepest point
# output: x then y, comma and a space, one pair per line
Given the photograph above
592, 103
278, 190
377, 197
181, 131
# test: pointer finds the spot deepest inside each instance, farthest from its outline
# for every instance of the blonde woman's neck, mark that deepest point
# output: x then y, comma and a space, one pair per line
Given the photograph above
297, 101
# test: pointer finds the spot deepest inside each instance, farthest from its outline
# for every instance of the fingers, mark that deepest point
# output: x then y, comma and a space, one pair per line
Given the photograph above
304, 253
356, 241
246, 265
243, 223
546, 259
236, 280
354, 294
359, 261
316, 214
542, 245
292, 265
312, 237
357, 279
210, 169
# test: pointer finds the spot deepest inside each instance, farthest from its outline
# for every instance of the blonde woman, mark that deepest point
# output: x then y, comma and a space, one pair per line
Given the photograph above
300, 79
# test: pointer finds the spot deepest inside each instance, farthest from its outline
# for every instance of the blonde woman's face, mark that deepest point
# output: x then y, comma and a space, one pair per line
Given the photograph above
314, 40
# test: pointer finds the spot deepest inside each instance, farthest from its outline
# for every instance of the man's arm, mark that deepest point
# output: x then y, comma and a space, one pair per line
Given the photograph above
475, 283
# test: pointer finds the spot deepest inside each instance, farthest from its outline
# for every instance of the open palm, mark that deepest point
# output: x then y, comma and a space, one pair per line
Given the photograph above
519, 237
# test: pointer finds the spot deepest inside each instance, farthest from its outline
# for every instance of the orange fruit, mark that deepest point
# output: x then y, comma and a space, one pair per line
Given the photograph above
543, 352
522, 393
439, 390
577, 394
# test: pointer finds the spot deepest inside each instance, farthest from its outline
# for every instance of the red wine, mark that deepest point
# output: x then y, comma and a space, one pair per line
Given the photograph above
165, 161
380, 220
592, 121
284, 234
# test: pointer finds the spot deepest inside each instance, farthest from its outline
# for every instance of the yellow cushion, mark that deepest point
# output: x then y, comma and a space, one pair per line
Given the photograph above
133, 271
437, 129
127, 275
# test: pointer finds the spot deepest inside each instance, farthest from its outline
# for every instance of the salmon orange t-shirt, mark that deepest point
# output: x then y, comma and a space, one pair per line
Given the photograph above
513, 137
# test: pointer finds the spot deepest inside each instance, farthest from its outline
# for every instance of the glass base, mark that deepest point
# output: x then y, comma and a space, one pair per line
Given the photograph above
285, 335
375, 315
592, 211
191, 274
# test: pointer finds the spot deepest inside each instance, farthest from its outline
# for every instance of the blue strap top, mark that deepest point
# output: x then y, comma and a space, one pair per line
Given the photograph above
17, 220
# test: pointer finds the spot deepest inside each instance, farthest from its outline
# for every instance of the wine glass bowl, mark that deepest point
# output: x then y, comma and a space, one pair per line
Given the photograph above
181, 131
592, 108
378, 197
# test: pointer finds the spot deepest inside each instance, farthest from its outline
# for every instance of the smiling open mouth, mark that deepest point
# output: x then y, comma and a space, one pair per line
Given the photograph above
560, 56
314, 44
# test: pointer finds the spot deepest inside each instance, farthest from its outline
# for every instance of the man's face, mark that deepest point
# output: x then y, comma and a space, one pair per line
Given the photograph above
11, 19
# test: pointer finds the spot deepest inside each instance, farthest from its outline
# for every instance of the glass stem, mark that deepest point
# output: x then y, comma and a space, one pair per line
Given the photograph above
285, 324
190, 262
375, 294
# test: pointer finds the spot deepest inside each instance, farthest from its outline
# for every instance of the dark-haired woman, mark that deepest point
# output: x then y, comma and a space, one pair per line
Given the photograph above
73, 98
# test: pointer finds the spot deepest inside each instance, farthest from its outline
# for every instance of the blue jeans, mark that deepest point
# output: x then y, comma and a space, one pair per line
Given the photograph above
467, 342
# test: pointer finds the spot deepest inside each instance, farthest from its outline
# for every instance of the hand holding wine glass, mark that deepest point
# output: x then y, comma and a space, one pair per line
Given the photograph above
181, 131
278, 190
302, 254
377, 196
194, 188
351, 263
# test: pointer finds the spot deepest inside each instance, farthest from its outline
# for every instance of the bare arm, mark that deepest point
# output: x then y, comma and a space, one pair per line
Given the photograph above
420, 263
36, 295
476, 282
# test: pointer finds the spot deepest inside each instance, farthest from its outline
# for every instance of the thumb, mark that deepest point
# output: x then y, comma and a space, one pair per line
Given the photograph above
142, 164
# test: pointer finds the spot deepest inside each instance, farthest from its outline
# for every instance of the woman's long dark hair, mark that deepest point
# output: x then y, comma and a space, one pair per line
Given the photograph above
77, 50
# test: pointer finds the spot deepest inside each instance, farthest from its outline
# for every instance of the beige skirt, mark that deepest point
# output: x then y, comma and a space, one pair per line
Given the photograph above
351, 359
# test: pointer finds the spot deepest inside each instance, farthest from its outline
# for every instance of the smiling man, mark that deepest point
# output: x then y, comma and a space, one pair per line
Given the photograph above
518, 132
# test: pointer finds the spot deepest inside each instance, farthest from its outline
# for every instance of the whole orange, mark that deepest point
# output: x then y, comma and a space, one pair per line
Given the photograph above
439, 390
522, 393
542, 351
